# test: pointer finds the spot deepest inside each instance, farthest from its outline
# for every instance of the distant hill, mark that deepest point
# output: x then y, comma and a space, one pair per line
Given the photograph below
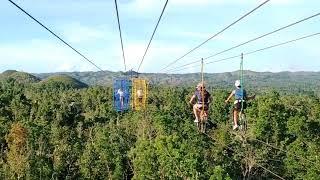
21, 77
221, 80
64, 81
8, 72
90, 78
289, 81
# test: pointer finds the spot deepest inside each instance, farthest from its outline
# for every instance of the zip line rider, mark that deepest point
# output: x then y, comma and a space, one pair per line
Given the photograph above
240, 103
121, 97
197, 108
140, 95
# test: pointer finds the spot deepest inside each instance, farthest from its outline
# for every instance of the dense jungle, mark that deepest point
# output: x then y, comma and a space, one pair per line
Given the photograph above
53, 130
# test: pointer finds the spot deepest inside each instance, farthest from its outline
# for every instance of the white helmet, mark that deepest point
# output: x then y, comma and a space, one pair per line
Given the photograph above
237, 83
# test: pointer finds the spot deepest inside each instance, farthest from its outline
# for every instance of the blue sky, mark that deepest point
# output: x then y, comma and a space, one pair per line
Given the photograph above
91, 27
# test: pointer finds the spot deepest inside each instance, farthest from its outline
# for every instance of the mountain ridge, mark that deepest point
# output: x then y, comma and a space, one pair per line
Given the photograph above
285, 81
252, 79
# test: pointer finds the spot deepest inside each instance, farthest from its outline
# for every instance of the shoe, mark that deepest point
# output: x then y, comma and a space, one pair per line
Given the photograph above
235, 127
196, 120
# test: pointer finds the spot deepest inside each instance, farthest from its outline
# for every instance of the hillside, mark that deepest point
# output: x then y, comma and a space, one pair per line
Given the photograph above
284, 81
256, 80
63, 81
21, 77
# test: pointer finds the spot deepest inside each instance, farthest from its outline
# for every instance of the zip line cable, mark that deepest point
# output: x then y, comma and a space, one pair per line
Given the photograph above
215, 35
91, 62
273, 46
232, 57
119, 27
265, 144
254, 39
277, 30
270, 171
213, 140
255, 51
284, 151
155, 29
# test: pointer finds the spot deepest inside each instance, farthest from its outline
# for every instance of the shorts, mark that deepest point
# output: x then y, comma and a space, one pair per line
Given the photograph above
238, 105
206, 107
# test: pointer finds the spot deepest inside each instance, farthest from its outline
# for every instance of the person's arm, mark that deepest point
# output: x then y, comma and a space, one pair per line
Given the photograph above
192, 99
230, 96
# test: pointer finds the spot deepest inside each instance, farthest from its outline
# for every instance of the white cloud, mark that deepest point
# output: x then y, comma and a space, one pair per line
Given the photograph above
134, 52
66, 67
62, 8
52, 57
162, 53
41, 55
78, 33
143, 4
238, 36
197, 35
203, 2
86, 67
31, 49
149, 6
159, 53
229, 2
286, 2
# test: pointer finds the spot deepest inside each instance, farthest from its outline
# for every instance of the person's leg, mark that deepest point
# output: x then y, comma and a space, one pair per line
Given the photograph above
196, 112
206, 110
235, 117
122, 103
237, 109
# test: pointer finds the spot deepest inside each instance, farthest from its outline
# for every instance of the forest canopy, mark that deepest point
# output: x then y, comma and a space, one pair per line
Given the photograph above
67, 132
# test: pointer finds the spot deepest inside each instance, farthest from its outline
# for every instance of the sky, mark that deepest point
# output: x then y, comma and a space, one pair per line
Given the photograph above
91, 27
